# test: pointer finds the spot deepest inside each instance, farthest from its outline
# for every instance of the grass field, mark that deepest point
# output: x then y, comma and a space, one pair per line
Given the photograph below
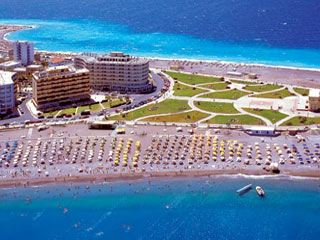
231, 94
167, 106
301, 121
51, 113
278, 94
112, 103
216, 107
216, 86
186, 91
272, 115
191, 78
262, 88
68, 111
94, 108
188, 117
302, 91
236, 120
243, 82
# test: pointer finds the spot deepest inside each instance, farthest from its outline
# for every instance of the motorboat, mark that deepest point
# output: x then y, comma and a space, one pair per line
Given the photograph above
260, 191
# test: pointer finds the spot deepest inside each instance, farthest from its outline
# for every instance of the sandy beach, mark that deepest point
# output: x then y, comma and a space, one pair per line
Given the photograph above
74, 153
5, 45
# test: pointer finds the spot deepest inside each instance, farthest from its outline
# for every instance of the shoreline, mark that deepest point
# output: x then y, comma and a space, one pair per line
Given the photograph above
3, 38
38, 182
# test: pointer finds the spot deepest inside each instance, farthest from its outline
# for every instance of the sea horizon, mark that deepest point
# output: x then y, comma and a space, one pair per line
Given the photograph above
79, 35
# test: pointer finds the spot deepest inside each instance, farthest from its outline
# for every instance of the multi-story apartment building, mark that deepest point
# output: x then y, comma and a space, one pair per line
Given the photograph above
60, 86
23, 52
7, 91
116, 72
314, 100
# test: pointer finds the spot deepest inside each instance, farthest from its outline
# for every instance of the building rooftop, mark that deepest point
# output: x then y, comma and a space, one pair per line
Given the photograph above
10, 63
19, 69
314, 93
34, 66
6, 77
262, 128
56, 60
114, 57
58, 71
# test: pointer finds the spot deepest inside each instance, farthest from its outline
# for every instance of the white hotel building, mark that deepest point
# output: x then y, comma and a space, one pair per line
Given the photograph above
7, 91
116, 72
23, 52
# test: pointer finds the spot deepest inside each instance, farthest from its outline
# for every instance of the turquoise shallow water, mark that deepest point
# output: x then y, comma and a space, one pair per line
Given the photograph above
201, 208
98, 36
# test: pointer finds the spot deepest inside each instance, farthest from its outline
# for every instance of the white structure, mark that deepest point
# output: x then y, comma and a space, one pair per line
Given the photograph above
7, 91
314, 100
24, 52
10, 65
116, 72
262, 131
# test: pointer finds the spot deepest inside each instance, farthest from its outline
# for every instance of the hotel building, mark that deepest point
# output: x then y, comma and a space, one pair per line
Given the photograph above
314, 100
60, 86
23, 52
7, 91
116, 72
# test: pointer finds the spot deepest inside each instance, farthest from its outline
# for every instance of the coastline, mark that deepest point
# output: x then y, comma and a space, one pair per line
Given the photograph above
3, 38
290, 75
36, 182
5, 30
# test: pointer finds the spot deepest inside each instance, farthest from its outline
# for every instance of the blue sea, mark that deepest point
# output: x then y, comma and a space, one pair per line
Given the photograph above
200, 208
274, 32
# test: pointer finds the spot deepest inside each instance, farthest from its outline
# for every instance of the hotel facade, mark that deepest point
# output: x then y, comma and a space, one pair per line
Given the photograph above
61, 86
116, 72
7, 91
23, 52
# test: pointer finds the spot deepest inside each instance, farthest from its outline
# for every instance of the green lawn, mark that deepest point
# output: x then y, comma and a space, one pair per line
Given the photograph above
272, 115
231, 94
94, 108
243, 82
68, 111
216, 86
192, 78
302, 91
262, 88
167, 106
236, 120
82, 108
51, 113
113, 103
188, 117
216, 107
301, 121
184, 90
278, 94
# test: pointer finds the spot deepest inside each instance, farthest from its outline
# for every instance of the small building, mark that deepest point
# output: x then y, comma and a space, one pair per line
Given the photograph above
7, 91
235, 74
253, 76
262, 131
9, 65
33, 68
314, 100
